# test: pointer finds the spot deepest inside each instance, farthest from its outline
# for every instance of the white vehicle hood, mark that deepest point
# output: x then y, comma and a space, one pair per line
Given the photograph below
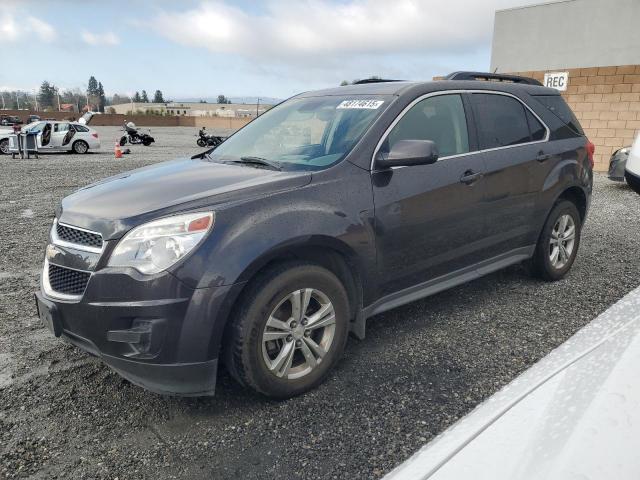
633, 161
573, 415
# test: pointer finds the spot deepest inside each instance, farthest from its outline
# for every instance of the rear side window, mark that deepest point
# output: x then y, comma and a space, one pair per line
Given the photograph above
501, 120
556, 105
535, 127
440, 119
80, 128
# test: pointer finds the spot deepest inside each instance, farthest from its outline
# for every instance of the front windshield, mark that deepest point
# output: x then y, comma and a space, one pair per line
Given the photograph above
305, 133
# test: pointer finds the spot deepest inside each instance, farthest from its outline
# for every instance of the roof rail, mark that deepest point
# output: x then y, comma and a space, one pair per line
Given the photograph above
492, 77
374, 80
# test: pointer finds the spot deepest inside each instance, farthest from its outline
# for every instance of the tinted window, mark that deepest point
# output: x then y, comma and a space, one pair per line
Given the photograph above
501, 120
536, 128
557, 105
80, 128
440, 119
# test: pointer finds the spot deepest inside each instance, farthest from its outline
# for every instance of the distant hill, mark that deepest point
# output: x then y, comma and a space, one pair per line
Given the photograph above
253, 100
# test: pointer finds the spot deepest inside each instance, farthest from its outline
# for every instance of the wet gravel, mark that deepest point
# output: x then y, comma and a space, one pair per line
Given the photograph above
65, 415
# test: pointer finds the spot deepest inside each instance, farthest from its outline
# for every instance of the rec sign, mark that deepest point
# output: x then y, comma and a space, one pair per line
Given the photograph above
557, 80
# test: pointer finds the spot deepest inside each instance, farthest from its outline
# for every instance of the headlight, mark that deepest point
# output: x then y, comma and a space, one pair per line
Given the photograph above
155, 246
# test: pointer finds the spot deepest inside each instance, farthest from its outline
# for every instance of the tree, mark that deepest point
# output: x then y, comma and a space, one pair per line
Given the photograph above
118, 99
157, 98
92, 89
46, 96
223, 99
145, 98
136, 98
102, 100
343, 83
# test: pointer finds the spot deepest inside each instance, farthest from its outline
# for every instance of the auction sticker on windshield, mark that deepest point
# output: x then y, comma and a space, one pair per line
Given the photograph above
369, 104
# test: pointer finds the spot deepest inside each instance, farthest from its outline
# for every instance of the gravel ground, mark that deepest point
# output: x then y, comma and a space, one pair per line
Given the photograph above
65, 415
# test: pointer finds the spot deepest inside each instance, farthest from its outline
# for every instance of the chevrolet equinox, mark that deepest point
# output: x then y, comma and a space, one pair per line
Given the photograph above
336, 205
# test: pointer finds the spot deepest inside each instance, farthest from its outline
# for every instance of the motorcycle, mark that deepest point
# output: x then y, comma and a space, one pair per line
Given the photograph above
205, 140
134, 137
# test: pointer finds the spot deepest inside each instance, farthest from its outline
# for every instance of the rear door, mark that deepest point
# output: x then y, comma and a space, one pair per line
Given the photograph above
429, 217
513, 144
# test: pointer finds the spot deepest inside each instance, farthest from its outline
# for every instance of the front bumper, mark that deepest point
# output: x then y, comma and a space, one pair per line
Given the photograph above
153, 330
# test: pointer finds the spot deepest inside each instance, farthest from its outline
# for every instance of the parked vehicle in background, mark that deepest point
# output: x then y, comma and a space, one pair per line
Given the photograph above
134, 136
205, 140
64, 136
32, 119
618, 164
625, 165
632, 169
6, 120
4, 140
574, 414
327, 209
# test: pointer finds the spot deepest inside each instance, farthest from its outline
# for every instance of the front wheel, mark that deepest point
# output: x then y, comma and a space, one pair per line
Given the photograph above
201, 143
289, 332
123, 141
633, 181
4, 146
558, 243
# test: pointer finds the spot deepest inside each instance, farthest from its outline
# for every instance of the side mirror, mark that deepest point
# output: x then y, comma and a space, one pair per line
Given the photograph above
407, 153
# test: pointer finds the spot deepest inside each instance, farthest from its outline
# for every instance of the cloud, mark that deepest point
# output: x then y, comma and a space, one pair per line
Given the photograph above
100, 39
289, 30
14, 30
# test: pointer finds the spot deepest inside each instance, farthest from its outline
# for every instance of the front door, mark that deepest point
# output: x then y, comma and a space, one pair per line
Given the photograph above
429, 218
60, 131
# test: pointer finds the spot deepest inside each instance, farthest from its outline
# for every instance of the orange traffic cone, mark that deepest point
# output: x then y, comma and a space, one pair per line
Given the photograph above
117, 151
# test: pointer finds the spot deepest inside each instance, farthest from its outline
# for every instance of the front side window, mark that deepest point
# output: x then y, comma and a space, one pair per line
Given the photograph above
501, 120
305, 133
440, 119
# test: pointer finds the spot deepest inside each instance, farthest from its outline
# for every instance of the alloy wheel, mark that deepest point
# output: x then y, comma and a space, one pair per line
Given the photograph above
562, 242
298, 333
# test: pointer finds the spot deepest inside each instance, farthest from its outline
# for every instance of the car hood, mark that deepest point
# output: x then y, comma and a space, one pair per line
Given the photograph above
116, 204
573, 415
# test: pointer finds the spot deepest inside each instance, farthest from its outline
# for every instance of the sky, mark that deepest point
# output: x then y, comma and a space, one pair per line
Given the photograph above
273, 48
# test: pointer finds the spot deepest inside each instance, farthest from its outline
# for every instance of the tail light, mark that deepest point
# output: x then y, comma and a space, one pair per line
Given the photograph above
95, 134
591, 148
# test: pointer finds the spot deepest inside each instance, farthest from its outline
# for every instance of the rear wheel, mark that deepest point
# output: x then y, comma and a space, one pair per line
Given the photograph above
80, 146
289, 332
4, 146
633, 181
558, 243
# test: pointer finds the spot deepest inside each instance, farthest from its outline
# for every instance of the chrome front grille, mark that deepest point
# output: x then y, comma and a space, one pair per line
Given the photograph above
78, 236
67, 281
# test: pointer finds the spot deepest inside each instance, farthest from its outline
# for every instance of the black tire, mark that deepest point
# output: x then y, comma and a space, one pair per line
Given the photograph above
541, 264
633, 181
201, 143
80, 147
4, 146
147, 141
123, 141
243, 354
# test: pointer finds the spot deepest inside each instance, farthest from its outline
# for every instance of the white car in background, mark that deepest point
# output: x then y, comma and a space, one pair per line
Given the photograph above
57, 136
573, 415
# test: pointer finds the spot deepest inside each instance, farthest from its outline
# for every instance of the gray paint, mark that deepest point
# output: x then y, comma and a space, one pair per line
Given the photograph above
567, 34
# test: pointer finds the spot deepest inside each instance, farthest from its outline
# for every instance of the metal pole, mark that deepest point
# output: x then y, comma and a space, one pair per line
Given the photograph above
58, 93
17, 100
257, 106
3, 105
35, 97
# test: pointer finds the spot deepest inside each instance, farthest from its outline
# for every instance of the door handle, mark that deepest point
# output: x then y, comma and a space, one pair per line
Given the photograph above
542, 156
470, 177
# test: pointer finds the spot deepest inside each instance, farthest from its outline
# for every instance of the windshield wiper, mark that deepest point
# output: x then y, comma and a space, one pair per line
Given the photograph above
257, 161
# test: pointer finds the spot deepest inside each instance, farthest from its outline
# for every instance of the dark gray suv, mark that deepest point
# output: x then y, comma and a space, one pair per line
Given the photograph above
334, 206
